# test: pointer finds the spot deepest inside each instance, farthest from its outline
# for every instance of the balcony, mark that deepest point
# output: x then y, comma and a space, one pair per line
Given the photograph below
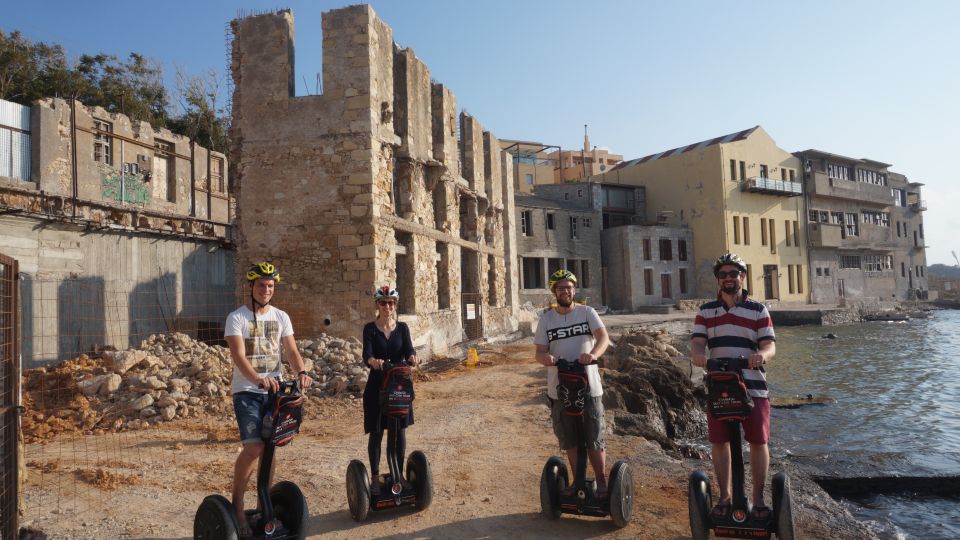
759, 184
821, 185
825, 235
918, 206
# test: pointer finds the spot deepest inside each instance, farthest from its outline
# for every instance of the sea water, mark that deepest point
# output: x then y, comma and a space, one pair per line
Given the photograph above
896, 387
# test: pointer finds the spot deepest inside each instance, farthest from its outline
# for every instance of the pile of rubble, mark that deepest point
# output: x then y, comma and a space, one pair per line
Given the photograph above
647, 380
169, 376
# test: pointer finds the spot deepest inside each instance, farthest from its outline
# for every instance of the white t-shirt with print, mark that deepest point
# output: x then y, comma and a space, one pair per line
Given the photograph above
261, 343
568, 336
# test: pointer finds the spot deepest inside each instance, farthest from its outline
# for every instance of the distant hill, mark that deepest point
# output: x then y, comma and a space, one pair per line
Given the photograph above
942, 270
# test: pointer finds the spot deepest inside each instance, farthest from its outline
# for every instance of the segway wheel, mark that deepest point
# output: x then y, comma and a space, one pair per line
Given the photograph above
215, 520
782, 508
290, 507
698, 503
358, 490
621, 494
418, 474
553, 480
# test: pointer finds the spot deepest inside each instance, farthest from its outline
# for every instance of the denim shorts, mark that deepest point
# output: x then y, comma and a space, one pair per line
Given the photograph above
565, 426
250, 408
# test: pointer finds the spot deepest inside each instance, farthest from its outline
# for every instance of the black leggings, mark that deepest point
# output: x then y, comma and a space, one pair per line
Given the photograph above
398, 444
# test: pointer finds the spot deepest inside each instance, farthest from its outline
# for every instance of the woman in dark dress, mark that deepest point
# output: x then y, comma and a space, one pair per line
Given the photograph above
384, 340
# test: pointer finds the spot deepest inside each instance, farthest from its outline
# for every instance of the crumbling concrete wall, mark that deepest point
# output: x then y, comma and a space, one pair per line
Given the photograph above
84, 289
364, 185
123, 162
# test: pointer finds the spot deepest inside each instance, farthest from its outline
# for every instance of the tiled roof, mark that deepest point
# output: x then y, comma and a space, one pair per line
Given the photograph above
732, 137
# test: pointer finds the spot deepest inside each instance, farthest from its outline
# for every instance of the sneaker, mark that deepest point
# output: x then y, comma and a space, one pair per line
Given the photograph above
375, 487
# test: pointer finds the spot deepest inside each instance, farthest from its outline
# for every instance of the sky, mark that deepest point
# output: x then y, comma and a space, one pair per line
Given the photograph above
873, 79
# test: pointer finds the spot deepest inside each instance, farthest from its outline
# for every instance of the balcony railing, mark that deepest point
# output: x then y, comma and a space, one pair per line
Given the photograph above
918, 206
819, 184
759, 184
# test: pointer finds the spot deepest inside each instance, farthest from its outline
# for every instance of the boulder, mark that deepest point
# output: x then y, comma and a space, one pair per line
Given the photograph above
143, 401
111, 384
166, 401
169, 412
148, 412
90, 387
121, 361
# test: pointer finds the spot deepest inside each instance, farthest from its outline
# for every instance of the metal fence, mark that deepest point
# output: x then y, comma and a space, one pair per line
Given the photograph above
88, 453
9, 398
472, 311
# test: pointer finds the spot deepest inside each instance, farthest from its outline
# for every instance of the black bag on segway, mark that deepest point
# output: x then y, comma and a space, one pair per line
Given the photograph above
286, 419
396, 393
727, 396
572, 391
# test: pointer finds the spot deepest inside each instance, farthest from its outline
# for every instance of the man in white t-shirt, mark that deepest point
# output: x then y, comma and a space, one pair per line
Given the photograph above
255, 335
574, 332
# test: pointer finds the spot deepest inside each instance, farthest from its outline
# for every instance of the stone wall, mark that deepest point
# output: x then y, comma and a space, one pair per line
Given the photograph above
364, 185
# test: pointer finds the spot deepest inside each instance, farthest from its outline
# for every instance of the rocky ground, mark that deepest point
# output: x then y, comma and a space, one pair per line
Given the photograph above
127, 445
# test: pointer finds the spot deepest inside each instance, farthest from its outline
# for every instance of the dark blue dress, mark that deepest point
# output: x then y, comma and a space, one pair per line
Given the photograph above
395, 349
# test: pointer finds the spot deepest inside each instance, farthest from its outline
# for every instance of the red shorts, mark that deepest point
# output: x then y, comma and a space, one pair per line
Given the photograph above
756, 428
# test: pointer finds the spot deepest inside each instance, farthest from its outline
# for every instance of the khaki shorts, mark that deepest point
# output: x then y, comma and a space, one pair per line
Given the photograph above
565, 426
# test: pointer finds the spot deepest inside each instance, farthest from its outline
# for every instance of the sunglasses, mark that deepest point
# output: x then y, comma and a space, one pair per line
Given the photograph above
725, 274
386, 303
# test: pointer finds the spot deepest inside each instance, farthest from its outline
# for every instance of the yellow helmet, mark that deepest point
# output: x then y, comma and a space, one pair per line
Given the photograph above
263, 270
560, 275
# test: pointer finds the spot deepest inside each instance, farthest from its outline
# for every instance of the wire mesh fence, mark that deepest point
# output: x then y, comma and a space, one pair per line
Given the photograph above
9, 399
126, 394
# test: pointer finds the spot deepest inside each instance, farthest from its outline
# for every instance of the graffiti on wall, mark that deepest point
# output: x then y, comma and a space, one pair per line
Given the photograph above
126, 187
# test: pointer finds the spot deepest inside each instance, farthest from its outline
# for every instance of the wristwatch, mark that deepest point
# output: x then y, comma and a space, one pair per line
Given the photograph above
304, 372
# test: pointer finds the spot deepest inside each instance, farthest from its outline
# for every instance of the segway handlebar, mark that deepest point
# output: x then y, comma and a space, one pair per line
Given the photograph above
728, 364
573, 366
390, 364
286, 388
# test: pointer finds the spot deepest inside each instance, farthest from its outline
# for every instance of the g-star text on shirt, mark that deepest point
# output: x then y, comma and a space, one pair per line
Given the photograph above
570, 331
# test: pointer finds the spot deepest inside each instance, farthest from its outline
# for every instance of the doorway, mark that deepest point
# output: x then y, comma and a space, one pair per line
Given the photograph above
771, 282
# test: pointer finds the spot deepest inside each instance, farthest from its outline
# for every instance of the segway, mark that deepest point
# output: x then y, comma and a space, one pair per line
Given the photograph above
283, 508
728, 401
573, 390
416, 489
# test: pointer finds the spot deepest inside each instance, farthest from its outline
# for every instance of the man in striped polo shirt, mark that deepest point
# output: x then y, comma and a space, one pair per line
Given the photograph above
734, 326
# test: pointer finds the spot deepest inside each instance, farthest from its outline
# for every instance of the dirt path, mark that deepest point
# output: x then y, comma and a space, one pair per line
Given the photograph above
485, 431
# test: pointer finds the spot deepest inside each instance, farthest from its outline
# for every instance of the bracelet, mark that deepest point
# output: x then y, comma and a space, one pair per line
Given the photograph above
304, 372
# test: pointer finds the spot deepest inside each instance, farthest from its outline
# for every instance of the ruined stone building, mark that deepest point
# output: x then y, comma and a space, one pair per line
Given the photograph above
117, 228
865, 225
376, 181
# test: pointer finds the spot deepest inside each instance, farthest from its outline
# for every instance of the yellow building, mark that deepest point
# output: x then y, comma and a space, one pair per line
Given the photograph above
740, 193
